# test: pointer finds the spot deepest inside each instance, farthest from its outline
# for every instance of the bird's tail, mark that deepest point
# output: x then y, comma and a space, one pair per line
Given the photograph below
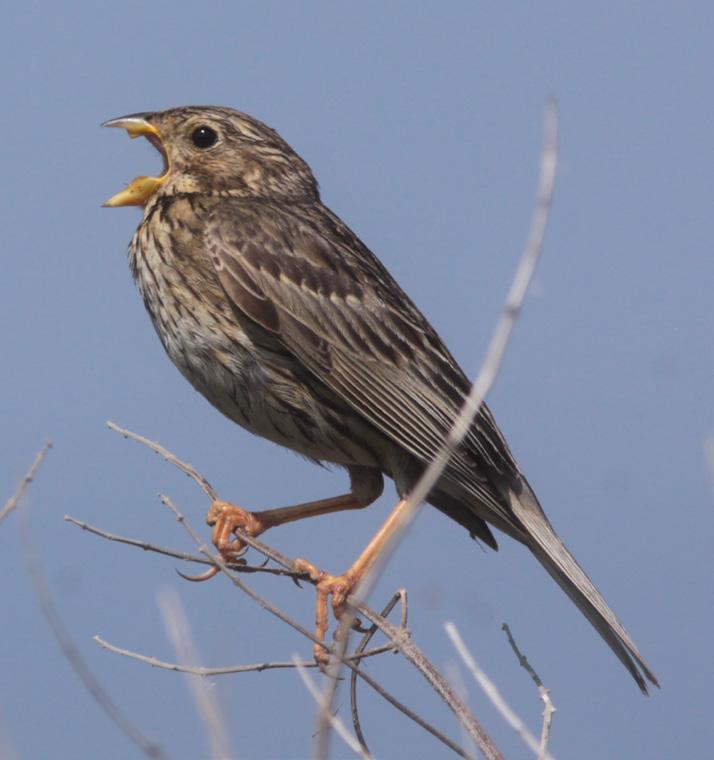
567, 573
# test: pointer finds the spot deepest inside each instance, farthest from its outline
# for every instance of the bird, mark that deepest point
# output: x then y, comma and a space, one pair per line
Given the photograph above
285, 321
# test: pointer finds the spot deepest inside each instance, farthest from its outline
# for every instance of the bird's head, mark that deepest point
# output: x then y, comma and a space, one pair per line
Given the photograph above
211, 149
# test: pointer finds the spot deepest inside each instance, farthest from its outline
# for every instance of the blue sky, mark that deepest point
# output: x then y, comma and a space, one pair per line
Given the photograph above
422, 123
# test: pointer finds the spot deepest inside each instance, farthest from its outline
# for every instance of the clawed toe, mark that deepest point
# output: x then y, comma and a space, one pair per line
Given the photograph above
339, 587
226, 518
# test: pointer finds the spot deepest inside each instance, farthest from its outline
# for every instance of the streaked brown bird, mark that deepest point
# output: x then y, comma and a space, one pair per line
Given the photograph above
286, 322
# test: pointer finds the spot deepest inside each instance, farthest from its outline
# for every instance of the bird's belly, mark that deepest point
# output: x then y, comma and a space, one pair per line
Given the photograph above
272, 402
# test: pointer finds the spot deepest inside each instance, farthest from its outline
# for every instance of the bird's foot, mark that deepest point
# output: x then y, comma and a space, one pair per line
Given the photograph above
339, 587
226, 518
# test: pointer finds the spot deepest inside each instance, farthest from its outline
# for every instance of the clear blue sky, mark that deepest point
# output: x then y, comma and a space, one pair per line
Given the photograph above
422, 122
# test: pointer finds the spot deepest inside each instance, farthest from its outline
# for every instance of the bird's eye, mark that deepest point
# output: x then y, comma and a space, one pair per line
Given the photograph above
204, 137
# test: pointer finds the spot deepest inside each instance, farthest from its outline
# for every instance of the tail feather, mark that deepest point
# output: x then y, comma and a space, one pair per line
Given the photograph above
567, 573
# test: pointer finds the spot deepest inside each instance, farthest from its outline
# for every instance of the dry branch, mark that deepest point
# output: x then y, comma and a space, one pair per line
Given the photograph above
490, 690
397, 639
548, 706
59, 631
405, 513
16, 498
225, 670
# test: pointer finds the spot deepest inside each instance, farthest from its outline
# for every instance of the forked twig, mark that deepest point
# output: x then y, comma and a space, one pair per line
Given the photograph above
548, 706
400, 640
399, 596
395, 636
489, 688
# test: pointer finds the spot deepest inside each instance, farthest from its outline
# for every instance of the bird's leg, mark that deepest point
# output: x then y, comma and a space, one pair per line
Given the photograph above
341, 586
226, 518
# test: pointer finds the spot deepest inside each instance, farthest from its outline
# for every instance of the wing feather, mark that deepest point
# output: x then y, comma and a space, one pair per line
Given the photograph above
308, 281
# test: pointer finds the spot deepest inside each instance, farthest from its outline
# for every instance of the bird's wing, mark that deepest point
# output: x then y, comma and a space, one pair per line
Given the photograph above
312, 284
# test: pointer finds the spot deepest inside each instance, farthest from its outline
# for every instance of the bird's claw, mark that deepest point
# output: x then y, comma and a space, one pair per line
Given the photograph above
226, 518
339, 587
210, 573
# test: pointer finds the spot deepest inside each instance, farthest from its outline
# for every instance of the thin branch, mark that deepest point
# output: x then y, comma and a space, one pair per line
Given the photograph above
218, 561
482, 384
16, 498
402, 641
185, 556
257, 667
334, 721
76, 661
548, 706
501, 336
207, 704
399, 596
188, 469
437, 681
493, 694
411, 651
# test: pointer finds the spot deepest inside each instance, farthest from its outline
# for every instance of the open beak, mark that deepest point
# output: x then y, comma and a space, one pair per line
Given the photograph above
140, 189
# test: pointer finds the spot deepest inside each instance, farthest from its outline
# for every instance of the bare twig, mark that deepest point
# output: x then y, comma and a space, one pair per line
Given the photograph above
334, 721
401, 640
16, 498
494, 695
411, 651
185, 556
188, 469
75, 659
406, 646
399, 596
501, 336
6, 750
207, 704
257, 667
548, 707
218, 561
437, 681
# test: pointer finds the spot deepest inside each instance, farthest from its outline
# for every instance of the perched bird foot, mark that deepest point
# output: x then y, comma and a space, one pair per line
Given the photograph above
226, 518
339, 587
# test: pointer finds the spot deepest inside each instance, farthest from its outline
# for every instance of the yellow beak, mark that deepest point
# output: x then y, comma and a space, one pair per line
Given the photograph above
140, 189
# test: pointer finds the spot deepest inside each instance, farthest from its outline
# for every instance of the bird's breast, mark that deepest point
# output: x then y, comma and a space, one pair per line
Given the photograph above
190, 313
202, 334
